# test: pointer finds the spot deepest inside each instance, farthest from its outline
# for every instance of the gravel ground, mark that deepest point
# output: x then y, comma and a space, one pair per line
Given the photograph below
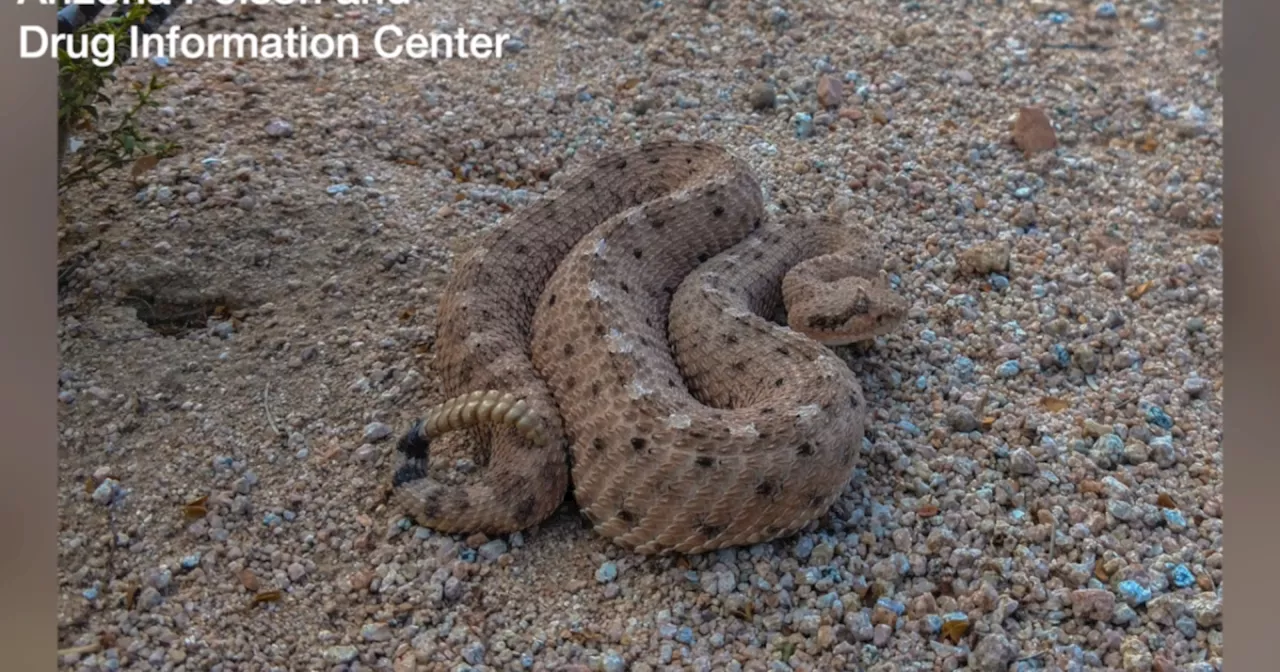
245, 328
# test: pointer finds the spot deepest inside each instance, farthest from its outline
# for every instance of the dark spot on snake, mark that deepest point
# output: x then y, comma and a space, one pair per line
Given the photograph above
525, 511
704, 461
595, 389
758, 254
718, 211
638, 443
768, 409
624, 287
815, 501
591, 184
568, 349
637, 253
703, 257
783, 351
778, 383
657, 223
570, 383
710, 531
671, 383
626, 516
521, 249
756, 224
766, 489
654, 159
431, 505
551, 300
740, 365
804, 449
598, 443
461, 502
730, 339
552, 471
697, 434
772, 530
669, 290
763, 436
599, 330
622, 164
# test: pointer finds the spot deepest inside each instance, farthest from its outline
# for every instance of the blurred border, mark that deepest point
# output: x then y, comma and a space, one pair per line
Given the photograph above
1251, 459
28, 362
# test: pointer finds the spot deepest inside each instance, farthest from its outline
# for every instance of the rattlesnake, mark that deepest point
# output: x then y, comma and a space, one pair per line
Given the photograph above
553, 340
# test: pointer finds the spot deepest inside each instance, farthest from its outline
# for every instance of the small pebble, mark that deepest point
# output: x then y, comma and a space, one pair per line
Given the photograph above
1133, 593
375, 632
1157, 417
279, 129
962, 419
830, 91
1008, 369
1195, 387
803, 124
804, 547
1023, 463
762, 97
994, 653
492, 550
607, 572
107, 492
376, 431
341, 655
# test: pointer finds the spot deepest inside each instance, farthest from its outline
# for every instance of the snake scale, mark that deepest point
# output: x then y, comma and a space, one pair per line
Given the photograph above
649, 334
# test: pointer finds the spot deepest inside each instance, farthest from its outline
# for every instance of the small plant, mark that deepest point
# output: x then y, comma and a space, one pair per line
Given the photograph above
81, 96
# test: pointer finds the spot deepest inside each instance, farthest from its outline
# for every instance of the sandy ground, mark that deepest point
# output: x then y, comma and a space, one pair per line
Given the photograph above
245, 328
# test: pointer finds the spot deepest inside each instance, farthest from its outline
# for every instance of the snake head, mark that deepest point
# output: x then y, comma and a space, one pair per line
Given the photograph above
847, 310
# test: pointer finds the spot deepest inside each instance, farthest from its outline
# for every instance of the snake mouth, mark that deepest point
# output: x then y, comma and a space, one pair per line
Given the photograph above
839, 340
864, 331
